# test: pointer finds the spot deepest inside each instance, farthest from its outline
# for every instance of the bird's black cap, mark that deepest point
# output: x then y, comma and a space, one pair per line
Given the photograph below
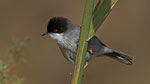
56, 25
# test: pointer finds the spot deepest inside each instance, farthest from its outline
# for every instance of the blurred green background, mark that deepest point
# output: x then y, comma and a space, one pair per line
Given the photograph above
127, 29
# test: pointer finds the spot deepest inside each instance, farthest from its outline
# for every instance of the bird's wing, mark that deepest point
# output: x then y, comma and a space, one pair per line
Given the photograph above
95, 45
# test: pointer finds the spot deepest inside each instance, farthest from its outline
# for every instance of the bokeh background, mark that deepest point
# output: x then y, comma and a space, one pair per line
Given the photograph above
127, 29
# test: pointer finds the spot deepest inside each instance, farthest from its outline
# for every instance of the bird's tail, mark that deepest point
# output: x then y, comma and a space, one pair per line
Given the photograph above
124, 58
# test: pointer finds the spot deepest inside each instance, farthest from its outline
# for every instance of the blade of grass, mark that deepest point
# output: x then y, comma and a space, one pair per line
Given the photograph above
96, 7
82, 47
100, 13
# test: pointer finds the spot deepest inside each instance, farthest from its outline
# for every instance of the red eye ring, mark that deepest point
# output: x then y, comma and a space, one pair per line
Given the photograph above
55, 30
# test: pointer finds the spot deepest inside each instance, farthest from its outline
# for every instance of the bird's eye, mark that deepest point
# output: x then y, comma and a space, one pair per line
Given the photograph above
55, 30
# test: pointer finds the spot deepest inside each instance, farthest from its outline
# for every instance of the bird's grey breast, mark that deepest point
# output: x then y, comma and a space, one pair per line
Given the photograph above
68, 44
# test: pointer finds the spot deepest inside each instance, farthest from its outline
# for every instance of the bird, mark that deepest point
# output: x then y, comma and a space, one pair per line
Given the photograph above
67, 36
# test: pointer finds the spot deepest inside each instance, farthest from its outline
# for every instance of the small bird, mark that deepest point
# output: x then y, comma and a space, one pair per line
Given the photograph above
67, 36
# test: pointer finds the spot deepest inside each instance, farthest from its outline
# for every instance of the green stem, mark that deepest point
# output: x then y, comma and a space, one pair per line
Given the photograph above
82, 47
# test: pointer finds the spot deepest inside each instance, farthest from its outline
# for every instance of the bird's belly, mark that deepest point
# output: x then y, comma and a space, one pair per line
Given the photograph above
71, 55
69, 51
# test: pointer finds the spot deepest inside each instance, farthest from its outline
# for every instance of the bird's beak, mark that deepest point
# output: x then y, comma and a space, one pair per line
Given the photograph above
44, 33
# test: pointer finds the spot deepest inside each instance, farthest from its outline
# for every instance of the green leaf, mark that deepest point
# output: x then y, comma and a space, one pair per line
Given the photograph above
96, 7
100, 13
82, 47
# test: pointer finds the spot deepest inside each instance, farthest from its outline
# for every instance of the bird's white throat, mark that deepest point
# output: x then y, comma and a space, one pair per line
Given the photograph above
56, 36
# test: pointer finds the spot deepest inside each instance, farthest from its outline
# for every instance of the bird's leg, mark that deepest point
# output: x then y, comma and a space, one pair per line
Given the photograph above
85, 65
90, 52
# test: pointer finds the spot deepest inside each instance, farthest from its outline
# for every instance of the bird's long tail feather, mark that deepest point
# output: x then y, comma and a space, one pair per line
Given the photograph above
124, 58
